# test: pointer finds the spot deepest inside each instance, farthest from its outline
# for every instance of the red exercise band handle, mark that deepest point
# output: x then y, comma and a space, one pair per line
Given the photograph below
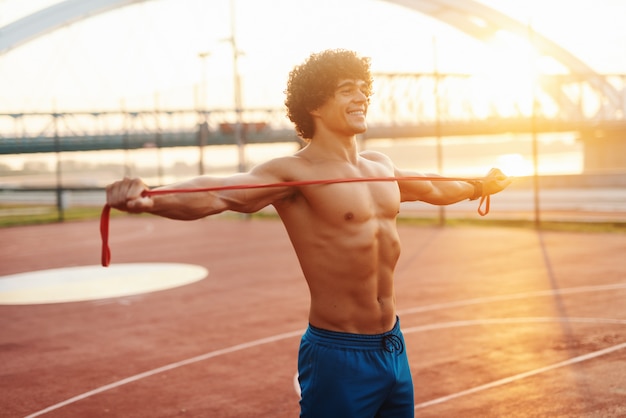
106, 210
104, 235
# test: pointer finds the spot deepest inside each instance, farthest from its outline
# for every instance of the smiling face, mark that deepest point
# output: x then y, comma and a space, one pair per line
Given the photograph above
318, 81
345, 111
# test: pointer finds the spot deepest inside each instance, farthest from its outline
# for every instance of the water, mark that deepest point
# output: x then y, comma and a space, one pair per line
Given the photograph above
559, 154
461, 156
475, 156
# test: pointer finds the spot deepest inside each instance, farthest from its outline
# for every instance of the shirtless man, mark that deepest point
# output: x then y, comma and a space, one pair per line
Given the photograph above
352, 361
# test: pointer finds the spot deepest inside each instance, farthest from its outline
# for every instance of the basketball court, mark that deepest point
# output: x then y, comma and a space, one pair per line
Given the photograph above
204, 318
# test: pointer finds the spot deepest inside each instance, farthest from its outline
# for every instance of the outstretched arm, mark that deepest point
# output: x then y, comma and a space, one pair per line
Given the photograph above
130, 195
446, 192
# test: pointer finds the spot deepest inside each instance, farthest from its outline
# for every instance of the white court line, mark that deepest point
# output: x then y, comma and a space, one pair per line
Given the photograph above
514, 296
279, 337
166, 368
516, 320
520, 320
493, 321
520, 376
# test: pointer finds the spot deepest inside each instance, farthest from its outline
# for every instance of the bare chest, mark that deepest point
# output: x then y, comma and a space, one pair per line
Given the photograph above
354, 202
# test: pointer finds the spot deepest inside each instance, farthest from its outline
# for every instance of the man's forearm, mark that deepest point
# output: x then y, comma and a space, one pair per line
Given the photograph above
449, 192
179, 201
186, 206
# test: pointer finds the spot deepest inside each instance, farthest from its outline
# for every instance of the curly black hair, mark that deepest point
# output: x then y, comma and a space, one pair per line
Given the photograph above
315, 81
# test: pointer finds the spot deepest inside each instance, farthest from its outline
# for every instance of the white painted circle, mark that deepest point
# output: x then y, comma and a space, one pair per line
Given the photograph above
74, 284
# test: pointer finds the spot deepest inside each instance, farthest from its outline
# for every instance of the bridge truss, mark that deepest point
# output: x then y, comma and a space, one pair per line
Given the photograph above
403, 106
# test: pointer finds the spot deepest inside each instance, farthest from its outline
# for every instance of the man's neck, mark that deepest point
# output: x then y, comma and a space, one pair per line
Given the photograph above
335, 148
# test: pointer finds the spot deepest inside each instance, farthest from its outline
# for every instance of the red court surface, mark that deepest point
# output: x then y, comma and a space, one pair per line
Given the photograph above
499, 322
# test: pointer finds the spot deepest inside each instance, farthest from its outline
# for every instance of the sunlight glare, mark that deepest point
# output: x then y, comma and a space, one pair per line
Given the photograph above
515, 165
509, 75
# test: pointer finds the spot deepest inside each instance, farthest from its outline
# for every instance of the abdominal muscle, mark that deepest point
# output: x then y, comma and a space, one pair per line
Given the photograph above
350, 277
333, 310
346, 240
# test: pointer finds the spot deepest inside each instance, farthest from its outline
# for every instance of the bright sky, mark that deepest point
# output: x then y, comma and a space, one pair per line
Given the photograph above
147, 54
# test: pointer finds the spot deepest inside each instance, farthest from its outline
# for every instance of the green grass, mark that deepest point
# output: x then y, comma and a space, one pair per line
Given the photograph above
563, 226
612, 227
16, 215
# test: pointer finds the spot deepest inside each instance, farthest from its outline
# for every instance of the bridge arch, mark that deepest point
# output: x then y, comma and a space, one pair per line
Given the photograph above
54, 17
474, 19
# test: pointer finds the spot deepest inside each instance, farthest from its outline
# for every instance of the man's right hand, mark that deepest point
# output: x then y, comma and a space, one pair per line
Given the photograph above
126, 195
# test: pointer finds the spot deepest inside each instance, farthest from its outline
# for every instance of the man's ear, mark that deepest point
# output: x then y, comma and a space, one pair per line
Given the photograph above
314, 112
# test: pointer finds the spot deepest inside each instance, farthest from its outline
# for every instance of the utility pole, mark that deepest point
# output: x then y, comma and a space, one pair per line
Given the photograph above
203, 124
61, 203
441, 209
202, 94
239, 140
535, 142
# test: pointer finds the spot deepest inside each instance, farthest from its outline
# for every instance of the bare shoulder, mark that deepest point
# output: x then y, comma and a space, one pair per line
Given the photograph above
377, 157
282, 168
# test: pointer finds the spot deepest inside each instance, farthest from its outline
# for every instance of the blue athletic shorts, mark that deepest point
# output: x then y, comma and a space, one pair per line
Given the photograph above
345, 375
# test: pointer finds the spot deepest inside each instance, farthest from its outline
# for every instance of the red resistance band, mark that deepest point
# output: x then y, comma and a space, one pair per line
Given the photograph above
106, 210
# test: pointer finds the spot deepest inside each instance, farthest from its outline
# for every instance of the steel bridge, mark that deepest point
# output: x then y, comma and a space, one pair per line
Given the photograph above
403, 105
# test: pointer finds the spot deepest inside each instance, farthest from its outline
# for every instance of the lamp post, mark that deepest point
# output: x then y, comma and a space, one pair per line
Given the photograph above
239, 140
441, 209
202, 109
202, 96
533, 118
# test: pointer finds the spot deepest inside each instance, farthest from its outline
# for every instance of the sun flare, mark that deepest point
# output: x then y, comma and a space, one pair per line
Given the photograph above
507, 76
515, 165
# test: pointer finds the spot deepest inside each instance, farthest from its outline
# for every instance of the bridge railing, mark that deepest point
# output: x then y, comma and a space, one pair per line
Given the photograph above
90, 123
402, 105
402, 98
